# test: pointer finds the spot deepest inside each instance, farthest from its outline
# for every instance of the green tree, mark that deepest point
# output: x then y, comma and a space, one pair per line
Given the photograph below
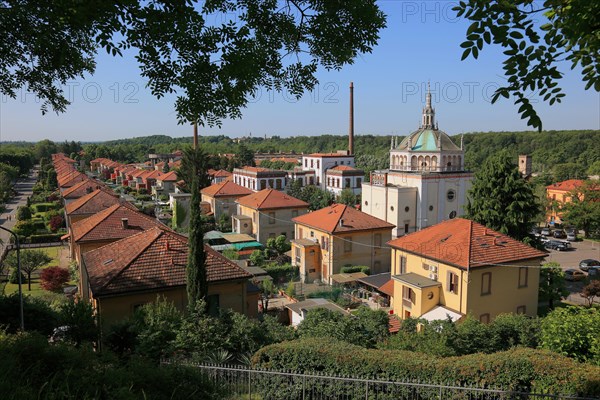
574, 332
591, 291
194, 160
348, 198
294, 188
257, 257
267, 289
196, 279
244, 156
51, 180
279, 244
594, 169
564, 171
23, 213
214, 67
583, 211
31, 261
501, 199
537, 37
316, 198
78, 317
552, 283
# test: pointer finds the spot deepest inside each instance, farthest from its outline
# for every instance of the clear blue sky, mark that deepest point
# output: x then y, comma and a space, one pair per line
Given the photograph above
420, 44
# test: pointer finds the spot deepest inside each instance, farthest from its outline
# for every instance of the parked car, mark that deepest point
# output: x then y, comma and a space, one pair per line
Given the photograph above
559, 234
535, 231
571, 237
573, 274
586, 264
546, 232
557, 245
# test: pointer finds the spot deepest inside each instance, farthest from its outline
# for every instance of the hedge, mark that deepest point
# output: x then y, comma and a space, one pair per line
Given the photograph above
46, 238
43, 207
519, 369
282, 272
349, 269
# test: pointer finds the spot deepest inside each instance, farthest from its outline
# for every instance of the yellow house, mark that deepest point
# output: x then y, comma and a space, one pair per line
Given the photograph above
222, 197
267, 214
338, 235
133, 271
460, 267
559, 194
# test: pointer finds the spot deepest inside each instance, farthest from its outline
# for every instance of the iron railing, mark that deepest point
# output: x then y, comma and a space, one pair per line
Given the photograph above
256, 384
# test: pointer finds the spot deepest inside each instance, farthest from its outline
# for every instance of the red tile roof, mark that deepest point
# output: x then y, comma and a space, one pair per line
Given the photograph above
82, 188
71, 179
270, 199
153, 259
226, 188
388, 288
465, 244
170, 176
107, 224
342, 168
566, 186
394, 323
329, 219
328, 155
92, 202
221, 173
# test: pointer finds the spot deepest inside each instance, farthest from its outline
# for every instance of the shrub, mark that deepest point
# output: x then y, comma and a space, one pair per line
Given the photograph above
290, 290
54, 278
46, 238
349, 269
56, 222
43, 207
37, 314
24, 228
142, 191
23, 213
282, 272
518, 369
14, 277
31, 368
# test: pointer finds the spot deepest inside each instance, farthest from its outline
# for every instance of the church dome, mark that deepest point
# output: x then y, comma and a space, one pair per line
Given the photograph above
426, 139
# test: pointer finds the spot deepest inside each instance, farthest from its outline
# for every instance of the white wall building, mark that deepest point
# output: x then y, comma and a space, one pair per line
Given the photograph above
426, 183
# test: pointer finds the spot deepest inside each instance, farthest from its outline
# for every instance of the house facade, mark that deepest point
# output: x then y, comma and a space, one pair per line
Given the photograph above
321, 162
460, 267
123, 275
267, 214
256, 178
222, 196
559, 194
339, 235
344, 177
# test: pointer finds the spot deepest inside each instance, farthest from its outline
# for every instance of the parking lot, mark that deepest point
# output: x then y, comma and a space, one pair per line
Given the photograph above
570, 259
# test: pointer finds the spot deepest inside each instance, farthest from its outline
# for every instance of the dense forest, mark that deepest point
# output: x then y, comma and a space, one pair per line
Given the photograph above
563, 153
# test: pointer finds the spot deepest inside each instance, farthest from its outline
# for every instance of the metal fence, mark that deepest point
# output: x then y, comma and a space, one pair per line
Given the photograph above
257, 384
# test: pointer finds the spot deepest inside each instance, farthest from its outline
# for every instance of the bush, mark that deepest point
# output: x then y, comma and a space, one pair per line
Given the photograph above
518, 369
14, 277
282, 272
54, 278
37, 314
349, 269
23, 213
46, 238
290, 290
143, 197
24, 228
31, 368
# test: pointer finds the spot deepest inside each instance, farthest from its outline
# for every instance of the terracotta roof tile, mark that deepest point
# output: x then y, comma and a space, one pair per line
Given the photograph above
328, 155
221, 173
71, 179
170, 176
342, 168
107, 224
226, 188
82, 188
466, 244
329, 220
270, 199
152, 259
93, 202
566, 186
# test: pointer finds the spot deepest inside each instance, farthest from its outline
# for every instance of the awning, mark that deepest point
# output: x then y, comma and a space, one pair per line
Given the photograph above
347, 278
247, 245
65, 236
441, 313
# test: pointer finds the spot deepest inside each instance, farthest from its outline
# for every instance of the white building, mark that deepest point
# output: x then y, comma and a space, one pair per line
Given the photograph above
426, 182
257, 179
344, 177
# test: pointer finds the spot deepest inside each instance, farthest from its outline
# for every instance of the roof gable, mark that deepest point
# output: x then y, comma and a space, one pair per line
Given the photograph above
270, 199
152, 259
466, 244
92, 202
226, 188
340, 218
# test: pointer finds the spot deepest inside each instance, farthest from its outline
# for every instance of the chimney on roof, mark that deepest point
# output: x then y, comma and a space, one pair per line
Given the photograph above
125, 223
351, 128
341, 222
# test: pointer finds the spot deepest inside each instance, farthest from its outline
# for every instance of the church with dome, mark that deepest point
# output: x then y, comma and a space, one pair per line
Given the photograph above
426, 182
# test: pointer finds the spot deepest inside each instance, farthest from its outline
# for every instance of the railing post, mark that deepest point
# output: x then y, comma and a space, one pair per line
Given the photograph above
249, 384
366, 390
303, 386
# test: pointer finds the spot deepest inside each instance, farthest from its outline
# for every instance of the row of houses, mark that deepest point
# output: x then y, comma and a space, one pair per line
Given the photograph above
126, 258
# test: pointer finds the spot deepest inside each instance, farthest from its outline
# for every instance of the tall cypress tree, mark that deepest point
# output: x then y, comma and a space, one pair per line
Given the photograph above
196, 278
501, 199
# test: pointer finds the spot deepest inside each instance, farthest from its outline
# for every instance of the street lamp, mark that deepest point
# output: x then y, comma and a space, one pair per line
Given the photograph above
19, 274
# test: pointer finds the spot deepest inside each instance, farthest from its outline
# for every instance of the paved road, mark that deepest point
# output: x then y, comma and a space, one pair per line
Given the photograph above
23, 187
570, 259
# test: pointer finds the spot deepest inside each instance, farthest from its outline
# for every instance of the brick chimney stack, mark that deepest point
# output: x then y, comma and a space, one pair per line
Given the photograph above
351, 128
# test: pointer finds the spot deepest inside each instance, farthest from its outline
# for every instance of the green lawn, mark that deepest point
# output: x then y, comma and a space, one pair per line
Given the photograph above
36, 290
